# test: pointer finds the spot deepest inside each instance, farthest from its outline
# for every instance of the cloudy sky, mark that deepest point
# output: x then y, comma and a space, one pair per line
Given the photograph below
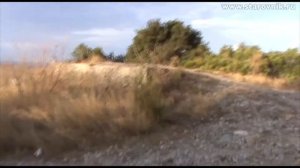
31, 28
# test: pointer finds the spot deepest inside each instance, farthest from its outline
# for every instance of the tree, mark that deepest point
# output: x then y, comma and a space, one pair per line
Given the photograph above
82, 52
160, 42
98, 52
226, 51
115, 58
258, 63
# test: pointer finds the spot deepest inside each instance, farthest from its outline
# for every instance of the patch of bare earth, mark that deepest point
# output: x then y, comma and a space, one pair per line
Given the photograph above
249, 125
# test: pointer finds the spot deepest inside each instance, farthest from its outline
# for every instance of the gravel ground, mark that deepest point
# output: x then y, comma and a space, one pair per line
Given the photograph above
259, 126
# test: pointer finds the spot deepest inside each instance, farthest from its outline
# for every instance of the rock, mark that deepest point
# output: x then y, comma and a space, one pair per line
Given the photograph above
38, 152
162, 146
288, 117
168, 161
222, 158
225, 139
241, 132
124, 85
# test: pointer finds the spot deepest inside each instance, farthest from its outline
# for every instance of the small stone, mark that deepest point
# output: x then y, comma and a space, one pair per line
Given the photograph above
241, 132
225, 138
288, 117
222, 158
38, 152
168, 161
73, 160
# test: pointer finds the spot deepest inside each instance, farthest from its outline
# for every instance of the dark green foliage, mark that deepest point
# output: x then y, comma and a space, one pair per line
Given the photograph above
284, 64
175, 44
226, 52
115, 58
98, 52
160, 42
248, 60
82, 52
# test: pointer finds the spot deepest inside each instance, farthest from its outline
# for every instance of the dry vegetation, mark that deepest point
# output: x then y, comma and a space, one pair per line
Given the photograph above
263, 80
59, 110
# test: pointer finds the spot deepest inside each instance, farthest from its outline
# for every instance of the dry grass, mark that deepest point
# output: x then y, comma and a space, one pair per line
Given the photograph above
56, 110
94, 59
277, 83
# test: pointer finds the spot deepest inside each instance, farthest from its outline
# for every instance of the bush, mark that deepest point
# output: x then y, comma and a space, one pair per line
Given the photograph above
159, 42
82, 52
248, 59
115, 58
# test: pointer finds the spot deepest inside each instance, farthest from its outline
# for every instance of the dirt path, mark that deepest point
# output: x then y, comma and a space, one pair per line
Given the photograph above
259, 126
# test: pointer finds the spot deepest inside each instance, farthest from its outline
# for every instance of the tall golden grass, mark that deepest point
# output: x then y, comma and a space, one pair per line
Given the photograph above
57, 110
259, 79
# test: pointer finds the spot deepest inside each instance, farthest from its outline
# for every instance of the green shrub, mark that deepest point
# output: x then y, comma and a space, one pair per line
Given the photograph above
159, 42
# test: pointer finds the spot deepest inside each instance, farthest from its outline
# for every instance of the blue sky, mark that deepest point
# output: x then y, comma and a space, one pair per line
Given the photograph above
31, 28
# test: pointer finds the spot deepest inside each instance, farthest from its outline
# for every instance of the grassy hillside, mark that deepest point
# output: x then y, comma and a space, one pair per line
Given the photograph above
57, 108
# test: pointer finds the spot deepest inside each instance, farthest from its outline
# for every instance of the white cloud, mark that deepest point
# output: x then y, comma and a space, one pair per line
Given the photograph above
6, 45
29, 46
20, 46
32, 51
108, 38
295, 43
245, 24
270, 34
235, 46
103, 32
